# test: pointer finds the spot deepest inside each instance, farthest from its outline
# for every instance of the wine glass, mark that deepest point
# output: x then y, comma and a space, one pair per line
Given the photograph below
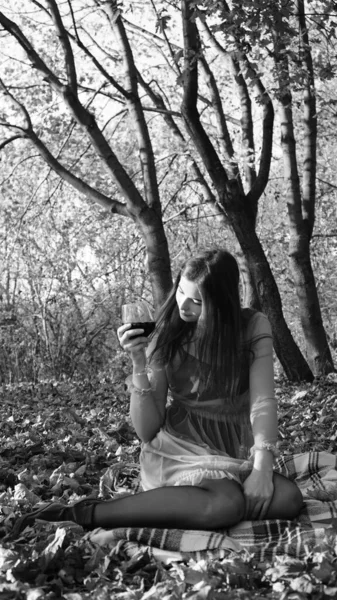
140, 316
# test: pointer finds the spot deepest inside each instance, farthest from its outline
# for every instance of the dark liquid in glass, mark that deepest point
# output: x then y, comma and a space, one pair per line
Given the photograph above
148, 328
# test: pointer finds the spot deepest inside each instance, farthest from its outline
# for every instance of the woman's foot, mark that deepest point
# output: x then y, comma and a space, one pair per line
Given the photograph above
81, 513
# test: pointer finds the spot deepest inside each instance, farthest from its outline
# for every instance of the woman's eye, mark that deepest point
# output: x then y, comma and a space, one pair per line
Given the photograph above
194, 300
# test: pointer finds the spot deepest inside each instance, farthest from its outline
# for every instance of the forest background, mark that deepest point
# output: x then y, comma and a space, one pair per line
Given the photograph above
132, 134
135, 133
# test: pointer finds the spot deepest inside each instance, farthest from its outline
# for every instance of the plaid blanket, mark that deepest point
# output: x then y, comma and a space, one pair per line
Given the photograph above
316, 475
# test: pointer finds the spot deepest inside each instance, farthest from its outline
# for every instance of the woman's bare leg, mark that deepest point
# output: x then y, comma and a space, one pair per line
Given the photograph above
214, 504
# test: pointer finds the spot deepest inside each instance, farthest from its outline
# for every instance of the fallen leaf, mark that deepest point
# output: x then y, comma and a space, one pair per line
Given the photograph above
55, 544
302, 584
23, 494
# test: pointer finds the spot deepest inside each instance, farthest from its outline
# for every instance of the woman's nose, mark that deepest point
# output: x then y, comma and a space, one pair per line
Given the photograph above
184, 304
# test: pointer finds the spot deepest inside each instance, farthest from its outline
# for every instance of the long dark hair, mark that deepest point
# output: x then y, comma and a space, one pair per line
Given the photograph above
219, 331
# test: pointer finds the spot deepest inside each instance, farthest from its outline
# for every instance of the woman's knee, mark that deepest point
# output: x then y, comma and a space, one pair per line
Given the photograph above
295, 500
287, 500
225, 505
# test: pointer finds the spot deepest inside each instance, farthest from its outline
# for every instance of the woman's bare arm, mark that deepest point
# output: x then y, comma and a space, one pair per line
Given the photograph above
147, 409
263, 405
147, 385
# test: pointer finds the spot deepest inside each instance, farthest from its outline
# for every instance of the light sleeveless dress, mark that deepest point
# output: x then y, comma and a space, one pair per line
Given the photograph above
203, 437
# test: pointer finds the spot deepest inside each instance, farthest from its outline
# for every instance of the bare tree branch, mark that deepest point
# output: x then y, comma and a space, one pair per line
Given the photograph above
265, 102
113, 206
135, 108
247, 130
171, 48
34, 57
9, 140
28, 132
242, 71
288, 142
19, 105
223, 133
99, 66
86, 120
66, 46
309, 125
149, 34
189, 104
173, 127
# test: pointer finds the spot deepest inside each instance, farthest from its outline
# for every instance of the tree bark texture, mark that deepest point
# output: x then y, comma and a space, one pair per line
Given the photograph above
294, 364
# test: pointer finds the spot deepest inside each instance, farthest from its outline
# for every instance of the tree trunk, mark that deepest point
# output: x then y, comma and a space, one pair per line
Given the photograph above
237, 209
291, 358
317, 347
301, 203
158, 261
250, 298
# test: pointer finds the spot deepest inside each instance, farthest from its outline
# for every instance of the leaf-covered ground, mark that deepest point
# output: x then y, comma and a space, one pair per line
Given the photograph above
67, 440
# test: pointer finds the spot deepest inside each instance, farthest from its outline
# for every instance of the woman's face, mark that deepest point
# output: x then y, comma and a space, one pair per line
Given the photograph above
188, 300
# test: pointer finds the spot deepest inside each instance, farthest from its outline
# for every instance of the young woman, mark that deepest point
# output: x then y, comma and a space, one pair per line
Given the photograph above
202, 402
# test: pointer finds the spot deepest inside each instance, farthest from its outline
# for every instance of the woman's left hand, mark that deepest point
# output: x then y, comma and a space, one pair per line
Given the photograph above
258, 491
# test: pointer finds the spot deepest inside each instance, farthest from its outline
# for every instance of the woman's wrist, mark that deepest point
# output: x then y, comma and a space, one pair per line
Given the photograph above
139, 365
139, 359
138, 371
263, 460
141, 391
140, 380
265, 447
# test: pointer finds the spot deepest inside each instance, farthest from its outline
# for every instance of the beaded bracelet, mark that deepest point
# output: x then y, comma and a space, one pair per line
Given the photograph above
143, 372
267, 446
141, 391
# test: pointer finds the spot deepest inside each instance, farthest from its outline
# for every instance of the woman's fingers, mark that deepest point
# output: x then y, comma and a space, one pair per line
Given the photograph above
252, 510
134, 335
123, 328
125, 333
131, 339
256, 508
264, 509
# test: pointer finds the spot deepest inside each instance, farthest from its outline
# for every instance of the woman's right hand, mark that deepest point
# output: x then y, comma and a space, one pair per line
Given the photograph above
132, 341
